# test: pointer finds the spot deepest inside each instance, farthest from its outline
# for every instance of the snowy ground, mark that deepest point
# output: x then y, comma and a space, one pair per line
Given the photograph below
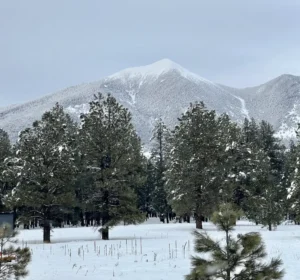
149, 251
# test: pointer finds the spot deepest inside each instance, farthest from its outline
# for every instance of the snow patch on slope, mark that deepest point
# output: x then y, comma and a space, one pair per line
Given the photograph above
132, 94
244, 109
285, 132
288, 128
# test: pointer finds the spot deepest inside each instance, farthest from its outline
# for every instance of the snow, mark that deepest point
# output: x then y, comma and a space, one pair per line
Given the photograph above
132, 95
155, 70
154, 251
244, 109
291, 190
289, 125
286, 132
78, 109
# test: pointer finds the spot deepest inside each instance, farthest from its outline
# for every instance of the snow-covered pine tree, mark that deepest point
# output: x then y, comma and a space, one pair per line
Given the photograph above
290, 163
232, 162
239, 258
5, 146
112, 153
159, 158
13, 260
250, 143
43, 168
197, 167
265, 195
5, 151
292, 179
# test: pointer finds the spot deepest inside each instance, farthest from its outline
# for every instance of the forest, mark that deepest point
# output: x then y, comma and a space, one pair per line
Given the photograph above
97, 172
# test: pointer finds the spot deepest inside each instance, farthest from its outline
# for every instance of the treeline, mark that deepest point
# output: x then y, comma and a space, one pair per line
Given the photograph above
95, 172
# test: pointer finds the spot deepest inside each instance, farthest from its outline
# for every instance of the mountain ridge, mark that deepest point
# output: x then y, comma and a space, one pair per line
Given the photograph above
165, 89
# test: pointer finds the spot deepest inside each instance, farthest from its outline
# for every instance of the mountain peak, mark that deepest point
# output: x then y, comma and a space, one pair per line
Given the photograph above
164, 65
282, 79
288, 77
156, 69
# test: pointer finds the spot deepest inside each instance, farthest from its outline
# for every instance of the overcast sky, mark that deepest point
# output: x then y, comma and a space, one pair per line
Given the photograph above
49, 45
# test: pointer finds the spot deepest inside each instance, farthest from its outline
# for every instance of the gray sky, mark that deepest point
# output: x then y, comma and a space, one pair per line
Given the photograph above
49, 45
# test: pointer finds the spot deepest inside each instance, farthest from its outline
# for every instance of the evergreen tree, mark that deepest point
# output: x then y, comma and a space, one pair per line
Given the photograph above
159, 158
5, 146
112, 153
83, 188
292, 179
5, 151
44, 168
239, 259
197, 161
266, 193
250, 143
290, 166
145, 192
13, 261
232, 163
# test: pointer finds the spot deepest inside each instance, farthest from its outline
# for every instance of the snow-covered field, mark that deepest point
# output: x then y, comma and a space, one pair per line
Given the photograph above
149, 251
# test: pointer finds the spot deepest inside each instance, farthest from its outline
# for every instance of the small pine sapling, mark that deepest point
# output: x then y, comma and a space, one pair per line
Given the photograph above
13, 261
233, 258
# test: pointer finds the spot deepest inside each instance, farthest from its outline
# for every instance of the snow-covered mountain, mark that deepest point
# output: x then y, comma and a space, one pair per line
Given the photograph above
165, 89
277, 101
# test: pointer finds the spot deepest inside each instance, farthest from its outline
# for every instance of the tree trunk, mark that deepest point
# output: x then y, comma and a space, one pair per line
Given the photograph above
105, 228
69, 218
167, 218
227, 256
228, 274
14, 217
98, 220
88, 219
188, 218
105, 233
270, 227
198, 221
46, 231
81, 219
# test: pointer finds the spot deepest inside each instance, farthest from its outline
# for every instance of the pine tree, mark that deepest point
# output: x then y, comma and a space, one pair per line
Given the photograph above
84, 186
5, 146
5, 151
13, 261
266, 193
248, 164
239, 259
196, 171
159, 158
145, 192
112, 153
290, 174
292, 179
43, 166
232, 162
